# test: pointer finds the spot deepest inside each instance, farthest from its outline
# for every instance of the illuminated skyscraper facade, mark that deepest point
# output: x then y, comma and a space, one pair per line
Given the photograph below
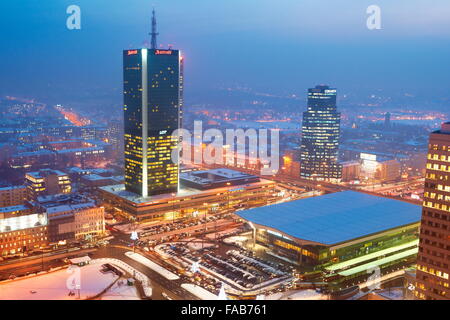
153, 86
320, 136
433, 262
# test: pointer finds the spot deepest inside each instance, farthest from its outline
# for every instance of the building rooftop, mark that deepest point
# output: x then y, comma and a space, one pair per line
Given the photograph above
445, 128
12, 188
214, 178
79, 170
44, 173
13, 208
335, 218
33, 153
85, 171
212, 175
119, 191
377, 153
64, 141
350, 162
94, 177
83, 149
54, 200
70, 207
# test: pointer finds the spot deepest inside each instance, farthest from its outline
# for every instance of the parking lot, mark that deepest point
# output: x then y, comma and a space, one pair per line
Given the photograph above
218, 263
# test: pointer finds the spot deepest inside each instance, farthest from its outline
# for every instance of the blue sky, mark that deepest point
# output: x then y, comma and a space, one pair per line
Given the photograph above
272, 45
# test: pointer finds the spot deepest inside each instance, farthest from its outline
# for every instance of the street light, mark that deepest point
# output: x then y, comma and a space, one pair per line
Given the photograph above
173, 207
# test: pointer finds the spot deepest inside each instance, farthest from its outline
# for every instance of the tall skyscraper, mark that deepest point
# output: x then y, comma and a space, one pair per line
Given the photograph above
320, 136
433, 262
387, 120
153, 87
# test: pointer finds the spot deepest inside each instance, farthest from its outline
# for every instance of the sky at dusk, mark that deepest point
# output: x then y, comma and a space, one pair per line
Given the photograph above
274, 46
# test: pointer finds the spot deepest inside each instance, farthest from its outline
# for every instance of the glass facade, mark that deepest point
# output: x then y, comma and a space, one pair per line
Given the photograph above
153, 86
320, 136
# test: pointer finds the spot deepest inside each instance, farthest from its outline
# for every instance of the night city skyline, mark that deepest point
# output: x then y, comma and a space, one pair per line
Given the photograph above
224, 155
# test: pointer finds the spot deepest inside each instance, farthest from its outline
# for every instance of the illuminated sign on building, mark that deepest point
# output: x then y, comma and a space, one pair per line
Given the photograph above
368, 156
131, 52
163, 52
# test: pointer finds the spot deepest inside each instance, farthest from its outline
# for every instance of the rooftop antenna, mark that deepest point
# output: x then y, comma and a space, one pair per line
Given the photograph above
153, 33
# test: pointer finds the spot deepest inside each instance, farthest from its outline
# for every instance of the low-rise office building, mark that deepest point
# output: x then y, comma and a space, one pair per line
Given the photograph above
72, 217
95, 180
225, 191
22, 234
47, 182
379, 168
351, 170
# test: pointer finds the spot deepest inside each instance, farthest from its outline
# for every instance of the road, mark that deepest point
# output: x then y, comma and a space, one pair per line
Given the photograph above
35, 263
159, 283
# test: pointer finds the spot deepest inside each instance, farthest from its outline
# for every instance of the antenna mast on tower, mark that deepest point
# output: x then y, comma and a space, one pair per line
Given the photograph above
153, 33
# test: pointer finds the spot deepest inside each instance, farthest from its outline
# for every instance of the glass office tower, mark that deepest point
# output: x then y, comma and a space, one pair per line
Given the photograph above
153, 87
320, 136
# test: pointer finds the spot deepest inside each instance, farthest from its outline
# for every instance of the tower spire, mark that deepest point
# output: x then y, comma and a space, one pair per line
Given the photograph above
153, 33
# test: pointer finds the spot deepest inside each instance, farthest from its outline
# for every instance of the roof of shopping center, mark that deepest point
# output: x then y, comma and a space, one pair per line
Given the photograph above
336, 217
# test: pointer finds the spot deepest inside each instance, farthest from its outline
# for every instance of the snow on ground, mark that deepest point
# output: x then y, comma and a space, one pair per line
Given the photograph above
307, 295
145, 281
275, 296
235, 240
199, 291
200, 245
55, 285
155, 267
121, 291
191, 245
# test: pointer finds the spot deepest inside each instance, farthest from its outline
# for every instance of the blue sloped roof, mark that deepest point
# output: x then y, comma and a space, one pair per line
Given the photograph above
335, 217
